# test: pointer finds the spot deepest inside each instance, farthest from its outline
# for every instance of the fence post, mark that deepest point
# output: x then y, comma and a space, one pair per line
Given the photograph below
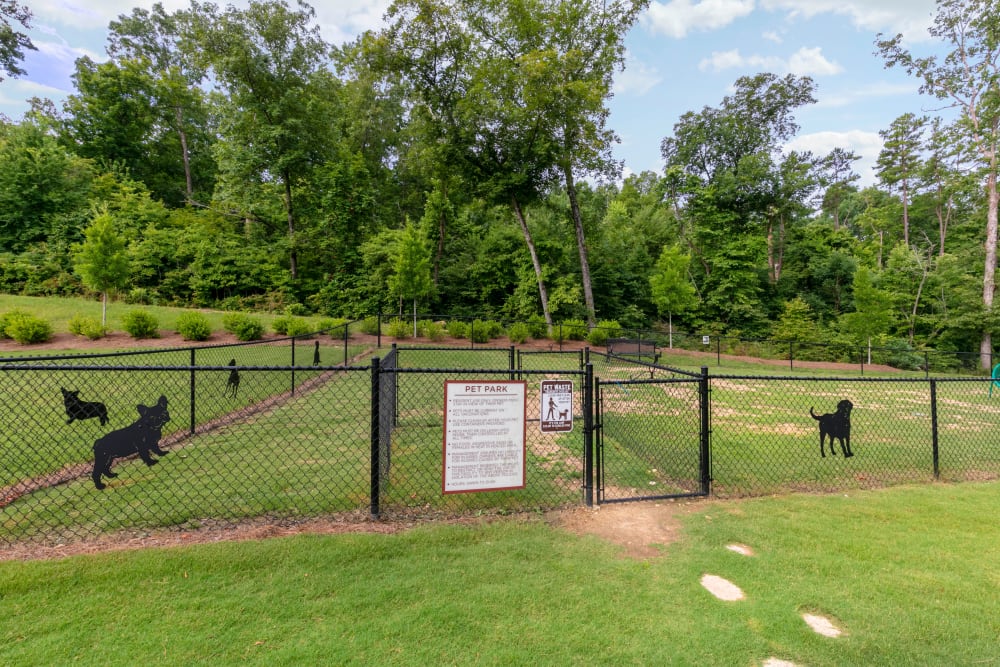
791, 355
293, 366
472, 333
704, 454
513, 365
718, 350
375, 459
378, 331
192, 392
345, 342
934, 430
588, 435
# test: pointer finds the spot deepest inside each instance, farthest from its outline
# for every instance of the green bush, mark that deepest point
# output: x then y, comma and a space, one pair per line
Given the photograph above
334, 327
26, 328
7, 318
298, 326
91, 327
574, 329
479, 332
281, 323
369, 325
397, 328
519, 332
243, 326
458, 329
431, 329
537, 328
296, 309
604, 330
141, 324
193, 325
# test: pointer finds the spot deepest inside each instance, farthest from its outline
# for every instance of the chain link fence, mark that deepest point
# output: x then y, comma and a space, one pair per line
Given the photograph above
185, 444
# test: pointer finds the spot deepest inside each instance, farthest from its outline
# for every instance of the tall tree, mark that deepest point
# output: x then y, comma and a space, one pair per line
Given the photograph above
413, 268
276, 120
102, 259
838, 176
966, 78
898, 162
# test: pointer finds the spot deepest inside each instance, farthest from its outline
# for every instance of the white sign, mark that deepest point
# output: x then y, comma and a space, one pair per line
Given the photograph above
705, 340
484, 436
556, 408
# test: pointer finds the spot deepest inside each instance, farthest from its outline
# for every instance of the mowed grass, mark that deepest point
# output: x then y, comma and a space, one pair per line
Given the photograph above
908, 574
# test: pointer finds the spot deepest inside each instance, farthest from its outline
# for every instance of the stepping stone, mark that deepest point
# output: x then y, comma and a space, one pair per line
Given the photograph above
821, 625
741, 549
777, 662
721, 588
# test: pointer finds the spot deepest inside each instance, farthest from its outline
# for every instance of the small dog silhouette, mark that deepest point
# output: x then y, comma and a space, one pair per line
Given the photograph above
141, 437
233, 384
77, 409
564, 414
836, 425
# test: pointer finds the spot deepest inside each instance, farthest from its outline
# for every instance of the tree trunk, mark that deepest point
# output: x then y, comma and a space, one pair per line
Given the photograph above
542, 293
989, 271
104, 309
906, 215
189, 188
293, 259
581, 244
414, 317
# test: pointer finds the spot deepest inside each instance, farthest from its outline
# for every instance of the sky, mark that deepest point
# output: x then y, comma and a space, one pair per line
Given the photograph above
682, 55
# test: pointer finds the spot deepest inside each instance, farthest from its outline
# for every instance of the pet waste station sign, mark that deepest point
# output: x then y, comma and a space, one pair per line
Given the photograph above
484, 436
556, 406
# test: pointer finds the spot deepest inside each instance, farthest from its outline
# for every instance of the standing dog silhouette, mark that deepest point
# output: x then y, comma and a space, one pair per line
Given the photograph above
836, 425
233, 383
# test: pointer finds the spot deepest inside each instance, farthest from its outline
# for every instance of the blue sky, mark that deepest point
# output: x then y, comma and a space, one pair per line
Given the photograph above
682, 56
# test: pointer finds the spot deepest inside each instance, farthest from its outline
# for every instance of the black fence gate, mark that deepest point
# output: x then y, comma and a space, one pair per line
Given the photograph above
652, 439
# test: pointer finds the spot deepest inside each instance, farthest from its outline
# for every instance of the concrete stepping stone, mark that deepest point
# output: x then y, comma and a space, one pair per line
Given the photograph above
822, 625
741, 549
778, 662
721, 588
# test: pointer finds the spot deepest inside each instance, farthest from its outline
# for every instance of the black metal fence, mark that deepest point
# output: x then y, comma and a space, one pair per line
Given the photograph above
181, 445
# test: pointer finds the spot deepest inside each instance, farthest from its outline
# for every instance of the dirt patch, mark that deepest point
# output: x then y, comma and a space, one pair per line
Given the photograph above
642, 529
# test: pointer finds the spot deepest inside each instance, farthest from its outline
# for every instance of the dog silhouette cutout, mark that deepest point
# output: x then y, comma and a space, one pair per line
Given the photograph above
81, 410
316, 354
141, 437
233, 383
835, 425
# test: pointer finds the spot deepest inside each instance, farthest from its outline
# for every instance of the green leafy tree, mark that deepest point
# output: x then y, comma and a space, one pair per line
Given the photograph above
899, 161
102, 259
796, 323
965, 78
413, 268
872, 314
13, 42
671, 288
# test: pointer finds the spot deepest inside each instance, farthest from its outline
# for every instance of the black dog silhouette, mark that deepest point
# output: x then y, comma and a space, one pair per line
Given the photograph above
77, 409
140, 437
233, 383
836, 425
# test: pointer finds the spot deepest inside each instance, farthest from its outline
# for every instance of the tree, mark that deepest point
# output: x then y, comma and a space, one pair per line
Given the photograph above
966, 78
872, 310
277, 119
101, 260
838, 177
671, 287
13, 42
413, 268
899, 161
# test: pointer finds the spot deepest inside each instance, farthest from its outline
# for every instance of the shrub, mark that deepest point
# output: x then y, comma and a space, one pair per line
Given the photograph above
26, 328
519, 332
296, 309
369, 325
397, 328
193, 326
574, 329
280, 324
298, 326
480, 332
243, 326
458, 329
604, 330
432, 330
140, 324
7, 318
90, 327
334, 327
537, 328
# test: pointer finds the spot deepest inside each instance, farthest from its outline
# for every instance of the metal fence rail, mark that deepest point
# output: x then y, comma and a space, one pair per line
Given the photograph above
180, 445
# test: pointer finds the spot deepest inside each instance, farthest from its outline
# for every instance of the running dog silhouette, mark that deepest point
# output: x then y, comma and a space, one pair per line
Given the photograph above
836, 425
77, 409
141, 437
233, 384
564, 414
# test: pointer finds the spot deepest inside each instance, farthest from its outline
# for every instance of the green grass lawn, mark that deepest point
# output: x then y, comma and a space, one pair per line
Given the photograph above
909, 574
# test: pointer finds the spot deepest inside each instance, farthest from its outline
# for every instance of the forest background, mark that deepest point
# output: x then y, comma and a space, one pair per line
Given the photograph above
458, 161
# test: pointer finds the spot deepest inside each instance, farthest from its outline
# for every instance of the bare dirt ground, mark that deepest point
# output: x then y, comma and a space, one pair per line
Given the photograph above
642, 529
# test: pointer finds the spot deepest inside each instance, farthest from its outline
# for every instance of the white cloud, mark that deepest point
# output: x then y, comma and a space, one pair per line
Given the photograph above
678, 17
804, 62
773, 36
870, 91
910, 17
865, 144
638, 77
